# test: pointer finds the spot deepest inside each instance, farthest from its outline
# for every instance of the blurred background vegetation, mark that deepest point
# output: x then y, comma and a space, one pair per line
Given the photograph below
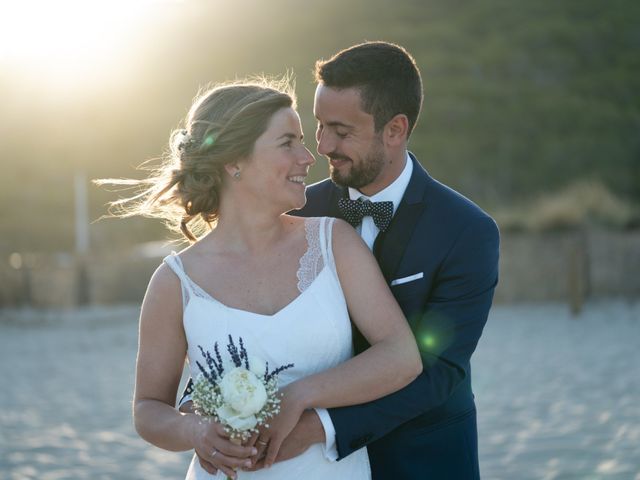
532, 107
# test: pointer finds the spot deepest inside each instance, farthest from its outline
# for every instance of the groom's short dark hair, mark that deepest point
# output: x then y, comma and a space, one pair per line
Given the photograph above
386, 75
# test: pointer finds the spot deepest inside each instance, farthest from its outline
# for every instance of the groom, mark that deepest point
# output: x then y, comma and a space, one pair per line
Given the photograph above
439, 255
438, 251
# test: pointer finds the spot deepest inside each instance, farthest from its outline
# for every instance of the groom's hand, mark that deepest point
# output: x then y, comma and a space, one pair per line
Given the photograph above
307, 431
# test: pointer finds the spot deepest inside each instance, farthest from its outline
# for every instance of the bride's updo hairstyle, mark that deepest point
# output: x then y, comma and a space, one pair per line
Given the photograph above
221, 128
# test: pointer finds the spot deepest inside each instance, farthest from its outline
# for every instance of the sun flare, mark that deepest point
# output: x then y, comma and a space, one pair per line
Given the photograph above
67, 38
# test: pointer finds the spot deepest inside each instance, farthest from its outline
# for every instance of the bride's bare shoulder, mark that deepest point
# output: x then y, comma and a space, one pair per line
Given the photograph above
345, 236
164, 279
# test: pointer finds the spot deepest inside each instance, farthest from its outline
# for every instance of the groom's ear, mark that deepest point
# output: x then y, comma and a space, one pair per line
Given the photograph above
396, 131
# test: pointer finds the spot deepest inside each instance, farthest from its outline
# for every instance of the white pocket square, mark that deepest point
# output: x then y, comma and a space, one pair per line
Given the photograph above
410, 278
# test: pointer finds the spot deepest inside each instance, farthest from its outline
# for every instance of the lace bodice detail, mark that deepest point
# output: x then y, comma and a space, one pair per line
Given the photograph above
318, 234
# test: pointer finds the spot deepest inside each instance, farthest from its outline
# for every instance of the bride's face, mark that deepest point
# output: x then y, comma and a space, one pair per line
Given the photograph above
275, 172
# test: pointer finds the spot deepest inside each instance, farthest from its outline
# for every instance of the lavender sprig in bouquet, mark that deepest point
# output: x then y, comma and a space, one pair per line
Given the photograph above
242, 395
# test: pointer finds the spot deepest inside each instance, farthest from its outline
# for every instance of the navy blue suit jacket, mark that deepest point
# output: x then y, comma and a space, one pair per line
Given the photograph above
428, 429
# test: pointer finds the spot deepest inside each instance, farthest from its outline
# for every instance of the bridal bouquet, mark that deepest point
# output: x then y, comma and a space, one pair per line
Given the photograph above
241, 394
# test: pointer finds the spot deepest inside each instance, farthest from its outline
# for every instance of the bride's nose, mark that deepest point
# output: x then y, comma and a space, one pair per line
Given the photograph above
306, 157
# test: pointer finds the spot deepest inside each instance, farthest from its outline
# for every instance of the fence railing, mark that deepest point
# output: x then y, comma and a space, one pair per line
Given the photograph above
567, 266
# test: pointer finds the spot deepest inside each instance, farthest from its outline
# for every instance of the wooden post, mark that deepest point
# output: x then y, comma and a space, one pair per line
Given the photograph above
82, 238
578, 273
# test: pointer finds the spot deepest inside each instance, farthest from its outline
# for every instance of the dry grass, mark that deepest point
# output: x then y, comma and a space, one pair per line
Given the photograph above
581, 204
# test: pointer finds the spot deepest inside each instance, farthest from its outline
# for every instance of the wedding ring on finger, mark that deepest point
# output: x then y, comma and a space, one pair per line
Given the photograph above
263, 443
214, 453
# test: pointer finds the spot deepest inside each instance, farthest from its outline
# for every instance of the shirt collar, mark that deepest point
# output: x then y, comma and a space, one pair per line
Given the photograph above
393, 192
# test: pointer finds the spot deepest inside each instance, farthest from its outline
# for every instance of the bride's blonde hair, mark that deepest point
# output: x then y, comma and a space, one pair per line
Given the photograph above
221, 128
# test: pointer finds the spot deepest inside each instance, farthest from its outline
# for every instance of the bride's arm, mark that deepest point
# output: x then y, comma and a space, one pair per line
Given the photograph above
391, 362
161, 353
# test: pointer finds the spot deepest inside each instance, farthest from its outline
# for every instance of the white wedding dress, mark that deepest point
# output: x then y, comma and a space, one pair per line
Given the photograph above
313, 332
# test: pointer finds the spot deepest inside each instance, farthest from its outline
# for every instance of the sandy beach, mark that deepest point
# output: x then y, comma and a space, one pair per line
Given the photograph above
558, 396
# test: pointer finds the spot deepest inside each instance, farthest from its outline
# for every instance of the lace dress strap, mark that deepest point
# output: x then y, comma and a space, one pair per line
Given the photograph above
175, 264
326, 236
312, 261
319, 252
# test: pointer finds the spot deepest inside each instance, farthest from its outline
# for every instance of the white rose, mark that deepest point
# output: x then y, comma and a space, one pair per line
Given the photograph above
230, 417
243, 392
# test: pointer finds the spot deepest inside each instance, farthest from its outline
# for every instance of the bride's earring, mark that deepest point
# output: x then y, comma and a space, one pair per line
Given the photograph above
237, 175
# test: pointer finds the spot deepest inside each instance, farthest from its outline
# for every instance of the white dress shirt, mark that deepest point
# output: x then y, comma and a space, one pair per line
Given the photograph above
368, 231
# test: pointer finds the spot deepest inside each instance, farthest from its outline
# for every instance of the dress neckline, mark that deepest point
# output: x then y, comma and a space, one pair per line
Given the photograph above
206, 296
308, 271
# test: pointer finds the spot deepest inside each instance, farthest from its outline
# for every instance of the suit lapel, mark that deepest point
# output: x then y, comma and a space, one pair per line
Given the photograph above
336, 194
390, 246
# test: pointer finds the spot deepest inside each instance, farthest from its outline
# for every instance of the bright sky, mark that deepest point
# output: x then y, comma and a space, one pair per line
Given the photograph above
66, 40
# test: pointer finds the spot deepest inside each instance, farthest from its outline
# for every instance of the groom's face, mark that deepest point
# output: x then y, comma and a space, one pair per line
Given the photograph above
346, 136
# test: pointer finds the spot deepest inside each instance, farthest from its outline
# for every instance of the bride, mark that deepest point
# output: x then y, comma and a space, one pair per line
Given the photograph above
289, 286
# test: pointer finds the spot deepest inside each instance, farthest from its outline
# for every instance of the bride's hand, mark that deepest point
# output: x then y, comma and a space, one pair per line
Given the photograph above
213, 445
291, 408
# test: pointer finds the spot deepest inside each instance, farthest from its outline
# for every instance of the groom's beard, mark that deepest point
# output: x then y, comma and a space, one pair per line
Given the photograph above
361, 174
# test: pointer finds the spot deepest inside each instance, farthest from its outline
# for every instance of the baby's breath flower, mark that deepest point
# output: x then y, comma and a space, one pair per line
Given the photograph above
235, 397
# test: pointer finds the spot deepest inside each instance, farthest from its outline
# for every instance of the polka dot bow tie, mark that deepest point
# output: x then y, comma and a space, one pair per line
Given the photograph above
355, 210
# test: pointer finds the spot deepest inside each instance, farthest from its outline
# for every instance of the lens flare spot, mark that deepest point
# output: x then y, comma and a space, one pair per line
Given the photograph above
209, 140
429, 341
